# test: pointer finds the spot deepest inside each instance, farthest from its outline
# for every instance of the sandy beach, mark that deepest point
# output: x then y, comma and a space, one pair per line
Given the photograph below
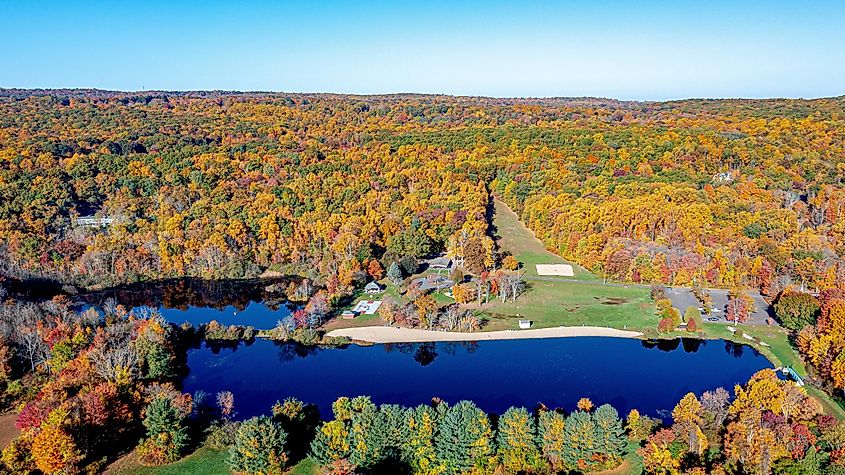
412, 335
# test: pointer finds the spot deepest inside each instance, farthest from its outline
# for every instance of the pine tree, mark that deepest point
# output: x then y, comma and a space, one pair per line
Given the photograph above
579, 440
465, 439
421, 424
330, 443
394, 273
159, 362
516, 440
610, 432
259, 447
387, 434
551, 438
167, 435
363, 454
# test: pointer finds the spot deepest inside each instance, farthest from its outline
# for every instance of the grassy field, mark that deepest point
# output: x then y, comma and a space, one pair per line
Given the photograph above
552, 304
202, 462
520, 241
555, 302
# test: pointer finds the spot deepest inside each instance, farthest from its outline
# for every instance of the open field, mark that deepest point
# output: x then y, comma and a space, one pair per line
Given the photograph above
551, 301
203, 461
552, 304
520, 241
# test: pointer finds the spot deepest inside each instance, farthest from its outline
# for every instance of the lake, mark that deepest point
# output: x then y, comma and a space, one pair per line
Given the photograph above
257, 303
255, 314
626, 373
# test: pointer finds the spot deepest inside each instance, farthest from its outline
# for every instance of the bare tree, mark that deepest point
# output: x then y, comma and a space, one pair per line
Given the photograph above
33, 346
117, 356
451, 318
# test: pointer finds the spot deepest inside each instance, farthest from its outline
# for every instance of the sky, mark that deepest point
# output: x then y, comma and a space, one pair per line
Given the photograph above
640, 50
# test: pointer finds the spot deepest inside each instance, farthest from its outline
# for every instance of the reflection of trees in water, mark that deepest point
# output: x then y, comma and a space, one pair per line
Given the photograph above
692, 345
216, 346
404, 348
183, 293
289, 351
425, 354
734, 349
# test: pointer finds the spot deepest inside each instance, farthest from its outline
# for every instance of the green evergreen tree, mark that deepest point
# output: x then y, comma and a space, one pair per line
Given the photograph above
465, 440
387, 434
516, 439
610, 432
330, 443
165, 430
259, 447
421, 425
362, 453
551, 438
579, 440
394, 273
159, 362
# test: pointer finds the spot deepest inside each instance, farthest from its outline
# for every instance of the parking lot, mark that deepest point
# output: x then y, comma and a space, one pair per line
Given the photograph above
683, 297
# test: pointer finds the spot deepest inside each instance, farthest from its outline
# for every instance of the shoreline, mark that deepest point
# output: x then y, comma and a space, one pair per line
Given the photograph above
380, 334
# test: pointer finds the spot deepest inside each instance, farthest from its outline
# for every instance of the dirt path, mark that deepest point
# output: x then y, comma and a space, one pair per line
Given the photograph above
412, 335
8, 431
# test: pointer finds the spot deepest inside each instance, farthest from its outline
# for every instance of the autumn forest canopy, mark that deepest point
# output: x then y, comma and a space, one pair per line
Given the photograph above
731, 193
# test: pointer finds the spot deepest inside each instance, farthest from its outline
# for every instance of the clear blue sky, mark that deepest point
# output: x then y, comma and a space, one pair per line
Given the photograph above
623, 49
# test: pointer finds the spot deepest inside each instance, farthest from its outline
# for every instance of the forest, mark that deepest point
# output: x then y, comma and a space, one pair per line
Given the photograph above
103, 190
723, 193
100, 385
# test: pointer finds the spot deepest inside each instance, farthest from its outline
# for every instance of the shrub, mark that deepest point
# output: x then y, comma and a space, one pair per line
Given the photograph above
54, 450
221, 435
17, 455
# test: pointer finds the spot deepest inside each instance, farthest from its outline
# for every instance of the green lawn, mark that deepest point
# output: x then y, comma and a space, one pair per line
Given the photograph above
552, 304
204, 461
520, 241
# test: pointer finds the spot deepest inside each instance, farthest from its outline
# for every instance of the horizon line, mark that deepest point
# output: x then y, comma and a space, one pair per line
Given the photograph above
425, 94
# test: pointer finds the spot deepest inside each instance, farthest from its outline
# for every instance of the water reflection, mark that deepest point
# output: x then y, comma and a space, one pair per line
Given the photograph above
257, 303
495, 374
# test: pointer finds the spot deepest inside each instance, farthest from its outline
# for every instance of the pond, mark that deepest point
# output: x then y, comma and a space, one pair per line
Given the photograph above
257, 303
626, 373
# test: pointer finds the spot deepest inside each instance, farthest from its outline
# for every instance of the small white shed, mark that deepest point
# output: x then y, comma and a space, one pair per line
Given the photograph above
525, 324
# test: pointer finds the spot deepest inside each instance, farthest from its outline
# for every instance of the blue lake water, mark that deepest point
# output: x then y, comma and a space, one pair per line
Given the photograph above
255, 314
495, 374
258, 303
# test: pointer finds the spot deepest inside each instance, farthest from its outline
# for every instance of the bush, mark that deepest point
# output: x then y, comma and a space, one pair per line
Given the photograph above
221, 435
658, 292
259, 447
306, 336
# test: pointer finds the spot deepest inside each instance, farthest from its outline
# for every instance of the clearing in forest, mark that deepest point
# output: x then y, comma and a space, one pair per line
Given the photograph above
516, 238
552, 301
